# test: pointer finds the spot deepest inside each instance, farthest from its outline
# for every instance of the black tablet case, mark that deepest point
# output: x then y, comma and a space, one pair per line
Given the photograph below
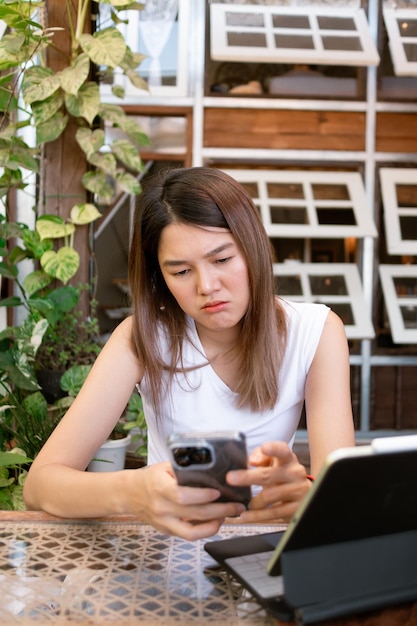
354, 547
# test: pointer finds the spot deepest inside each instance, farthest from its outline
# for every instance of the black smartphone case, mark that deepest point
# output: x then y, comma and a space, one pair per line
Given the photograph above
228, 453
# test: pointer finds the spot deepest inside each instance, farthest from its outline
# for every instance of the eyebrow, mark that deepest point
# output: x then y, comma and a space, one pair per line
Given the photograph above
211, 253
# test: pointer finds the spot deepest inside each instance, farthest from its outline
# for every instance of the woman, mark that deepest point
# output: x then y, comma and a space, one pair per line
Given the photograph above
210, 348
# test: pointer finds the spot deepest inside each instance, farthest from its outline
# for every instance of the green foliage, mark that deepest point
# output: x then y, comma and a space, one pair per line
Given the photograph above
27, 420
73, 379
73, 340
51, 99
13, 470
54, 333
134, 417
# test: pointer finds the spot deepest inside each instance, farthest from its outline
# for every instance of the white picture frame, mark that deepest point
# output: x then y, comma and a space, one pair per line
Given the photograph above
400, 300
355, 204
396, 211
233, 24
346, 295
401, 25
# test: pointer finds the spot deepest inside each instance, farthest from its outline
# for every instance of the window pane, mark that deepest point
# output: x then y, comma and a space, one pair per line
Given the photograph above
288, 285
322, 285
288, 215
250, 40
290, 21
245, 19
336, 23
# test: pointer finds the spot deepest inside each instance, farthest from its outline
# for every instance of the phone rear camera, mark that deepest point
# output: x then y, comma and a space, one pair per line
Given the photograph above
194, 455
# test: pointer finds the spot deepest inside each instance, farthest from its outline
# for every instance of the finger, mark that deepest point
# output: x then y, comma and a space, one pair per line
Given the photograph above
192, 531
270, 496
257, 476
194, 495
213, 511
187, 529
279, 450
281, 513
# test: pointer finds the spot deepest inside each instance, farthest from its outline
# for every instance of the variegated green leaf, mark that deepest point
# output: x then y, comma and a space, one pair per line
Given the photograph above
97, 183
35, 281
73, 77
43, 110
17, 155
85, 213
39, 83
52, 128
62, 264
128, 183
118, 91
134, 131
38, 332
105, 162
124, 4
131, 60
115, 114
127, 154
90, 141
51, 230
86, 104
35, 244
105, 47
136, 80
9, 58
112, 113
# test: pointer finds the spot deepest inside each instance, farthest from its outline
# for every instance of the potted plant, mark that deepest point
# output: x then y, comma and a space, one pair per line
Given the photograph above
128, 442
112, 454
51, 326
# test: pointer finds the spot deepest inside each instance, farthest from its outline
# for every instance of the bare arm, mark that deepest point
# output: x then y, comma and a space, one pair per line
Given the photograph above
328, 399
58, 484
329, 424
55, 482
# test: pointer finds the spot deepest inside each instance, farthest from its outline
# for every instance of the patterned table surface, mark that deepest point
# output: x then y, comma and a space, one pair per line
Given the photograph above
116, 572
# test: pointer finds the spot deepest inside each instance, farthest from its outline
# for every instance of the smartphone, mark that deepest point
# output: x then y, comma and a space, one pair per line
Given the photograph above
203, 460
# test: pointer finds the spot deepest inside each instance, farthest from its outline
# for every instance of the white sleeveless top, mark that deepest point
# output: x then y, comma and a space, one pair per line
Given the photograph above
201, 401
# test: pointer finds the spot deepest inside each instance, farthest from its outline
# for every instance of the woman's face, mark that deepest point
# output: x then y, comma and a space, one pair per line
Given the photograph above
206, 273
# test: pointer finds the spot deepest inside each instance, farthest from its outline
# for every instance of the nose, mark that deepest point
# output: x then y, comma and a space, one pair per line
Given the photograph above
206, 281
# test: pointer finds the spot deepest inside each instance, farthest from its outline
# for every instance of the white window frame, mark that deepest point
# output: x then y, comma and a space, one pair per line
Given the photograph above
389, 178
221, 51
394, 302
362, 327
130, 33
402, 66
359, 203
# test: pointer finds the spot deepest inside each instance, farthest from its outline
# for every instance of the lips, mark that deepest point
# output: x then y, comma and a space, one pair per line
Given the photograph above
216, 305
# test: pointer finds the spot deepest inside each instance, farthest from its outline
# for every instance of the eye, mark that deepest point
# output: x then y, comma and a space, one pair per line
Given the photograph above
181, 273
225, 260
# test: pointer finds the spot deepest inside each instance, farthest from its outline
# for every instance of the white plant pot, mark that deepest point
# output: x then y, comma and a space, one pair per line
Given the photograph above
111, 456
136, 440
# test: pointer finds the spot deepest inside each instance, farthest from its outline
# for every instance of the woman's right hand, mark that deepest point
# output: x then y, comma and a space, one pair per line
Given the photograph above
187, 512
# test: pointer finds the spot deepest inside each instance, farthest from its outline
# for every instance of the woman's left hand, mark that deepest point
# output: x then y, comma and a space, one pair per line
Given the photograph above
283, 480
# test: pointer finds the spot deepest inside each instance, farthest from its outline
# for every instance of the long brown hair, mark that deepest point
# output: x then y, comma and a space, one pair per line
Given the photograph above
205, 197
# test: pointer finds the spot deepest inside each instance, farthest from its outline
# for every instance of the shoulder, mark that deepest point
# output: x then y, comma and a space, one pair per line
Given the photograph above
304, 313
121, 337
334, 327
123, 330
